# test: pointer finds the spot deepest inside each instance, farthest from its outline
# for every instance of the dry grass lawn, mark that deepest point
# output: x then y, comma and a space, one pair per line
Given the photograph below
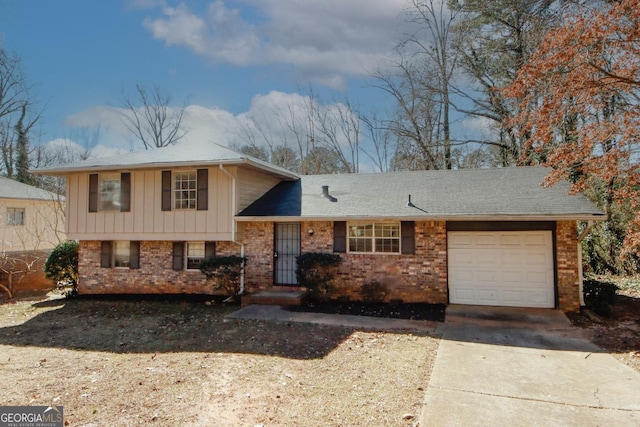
170, 363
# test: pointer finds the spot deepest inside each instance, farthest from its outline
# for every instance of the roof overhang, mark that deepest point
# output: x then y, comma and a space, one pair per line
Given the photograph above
568, 217
62, 170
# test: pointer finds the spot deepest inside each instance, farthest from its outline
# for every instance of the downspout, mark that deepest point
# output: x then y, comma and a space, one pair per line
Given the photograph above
581, 237
233, 225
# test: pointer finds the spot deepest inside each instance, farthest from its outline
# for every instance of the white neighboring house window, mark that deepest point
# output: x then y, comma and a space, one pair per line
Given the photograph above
195, 254
15, 216
374, 237
109, 192
184, 190
121, 254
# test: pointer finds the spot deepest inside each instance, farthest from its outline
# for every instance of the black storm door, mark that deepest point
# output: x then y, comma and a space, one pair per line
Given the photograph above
287, 248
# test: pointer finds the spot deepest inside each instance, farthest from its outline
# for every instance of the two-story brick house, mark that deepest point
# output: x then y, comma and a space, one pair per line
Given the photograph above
497, 237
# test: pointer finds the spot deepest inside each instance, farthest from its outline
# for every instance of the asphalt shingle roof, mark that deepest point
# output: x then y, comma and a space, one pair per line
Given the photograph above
182, 154
11, 189
506, 193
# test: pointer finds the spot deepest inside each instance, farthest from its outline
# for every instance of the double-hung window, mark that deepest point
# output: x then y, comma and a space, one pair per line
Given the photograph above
109, 192
184, 190
195, 254
374, 237
15, 216
120, 254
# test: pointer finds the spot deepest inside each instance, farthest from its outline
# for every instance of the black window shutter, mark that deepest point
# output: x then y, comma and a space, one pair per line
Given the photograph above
105, 254
408, 243
125, 192
166, 190
339, 236
209, 249
178, 255
93, 192
134, 255
203, 189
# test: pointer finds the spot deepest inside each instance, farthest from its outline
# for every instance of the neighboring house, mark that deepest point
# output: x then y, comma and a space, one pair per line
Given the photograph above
485, 236
31, 224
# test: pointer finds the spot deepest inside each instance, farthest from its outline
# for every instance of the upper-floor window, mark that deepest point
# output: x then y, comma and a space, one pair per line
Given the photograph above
184, 190
109, 193
15, 216
374, 237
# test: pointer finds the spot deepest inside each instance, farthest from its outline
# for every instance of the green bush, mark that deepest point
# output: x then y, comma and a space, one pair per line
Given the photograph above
373, 292
225, 271
62, 266
316, 271
599, 296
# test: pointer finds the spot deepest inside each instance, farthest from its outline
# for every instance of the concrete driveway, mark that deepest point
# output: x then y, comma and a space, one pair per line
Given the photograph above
525, 367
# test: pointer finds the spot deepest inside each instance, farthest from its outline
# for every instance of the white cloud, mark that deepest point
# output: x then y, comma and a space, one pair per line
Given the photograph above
324, 40
273, 113
479, 128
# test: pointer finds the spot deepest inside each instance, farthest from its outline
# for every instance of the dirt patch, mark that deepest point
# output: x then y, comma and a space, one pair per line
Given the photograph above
619, 334
411, 311
170, 362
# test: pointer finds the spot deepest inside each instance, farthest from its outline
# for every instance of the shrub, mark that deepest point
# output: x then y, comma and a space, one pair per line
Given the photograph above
599, 296
225, 271
373, 292
316, 271
62, 266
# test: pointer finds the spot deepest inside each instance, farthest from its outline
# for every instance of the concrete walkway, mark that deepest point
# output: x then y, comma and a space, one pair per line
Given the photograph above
525, 367
280, 314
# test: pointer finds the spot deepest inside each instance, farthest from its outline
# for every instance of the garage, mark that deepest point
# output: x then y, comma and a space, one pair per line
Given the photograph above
501, 268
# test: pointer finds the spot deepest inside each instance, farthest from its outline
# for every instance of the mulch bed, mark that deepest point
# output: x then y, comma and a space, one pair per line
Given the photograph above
410, 311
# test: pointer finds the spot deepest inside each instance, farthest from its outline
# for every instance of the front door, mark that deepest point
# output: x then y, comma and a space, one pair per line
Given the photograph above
287, 248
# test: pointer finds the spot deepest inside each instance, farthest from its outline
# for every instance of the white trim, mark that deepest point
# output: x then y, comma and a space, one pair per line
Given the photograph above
186, 254
373, 237
450, 218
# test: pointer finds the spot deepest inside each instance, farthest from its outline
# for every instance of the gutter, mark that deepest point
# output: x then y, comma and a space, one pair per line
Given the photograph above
581, 237
233, 222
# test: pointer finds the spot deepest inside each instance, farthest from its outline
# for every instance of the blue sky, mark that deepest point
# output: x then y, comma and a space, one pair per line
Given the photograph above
227, 58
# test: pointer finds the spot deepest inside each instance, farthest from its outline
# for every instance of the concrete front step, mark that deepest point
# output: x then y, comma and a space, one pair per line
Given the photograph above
274, 297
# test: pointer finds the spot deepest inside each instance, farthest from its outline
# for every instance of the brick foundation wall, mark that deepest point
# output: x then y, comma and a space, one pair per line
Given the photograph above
412, 278
155, 275
567, 266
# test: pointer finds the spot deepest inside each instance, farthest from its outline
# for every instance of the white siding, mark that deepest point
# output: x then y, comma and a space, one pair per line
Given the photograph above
146, 220
251, 185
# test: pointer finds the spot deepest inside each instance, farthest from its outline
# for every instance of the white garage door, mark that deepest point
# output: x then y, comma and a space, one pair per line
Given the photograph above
504, 268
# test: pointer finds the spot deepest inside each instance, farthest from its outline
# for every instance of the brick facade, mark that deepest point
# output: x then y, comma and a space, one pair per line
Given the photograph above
412, 278
155, 275
420, 277
567, 266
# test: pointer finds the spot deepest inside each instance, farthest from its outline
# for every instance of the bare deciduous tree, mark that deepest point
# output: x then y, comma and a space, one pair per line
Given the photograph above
16, 120
149, 116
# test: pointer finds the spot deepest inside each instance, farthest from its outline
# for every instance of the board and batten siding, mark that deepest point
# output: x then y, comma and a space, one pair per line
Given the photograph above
251, 185
146, 220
